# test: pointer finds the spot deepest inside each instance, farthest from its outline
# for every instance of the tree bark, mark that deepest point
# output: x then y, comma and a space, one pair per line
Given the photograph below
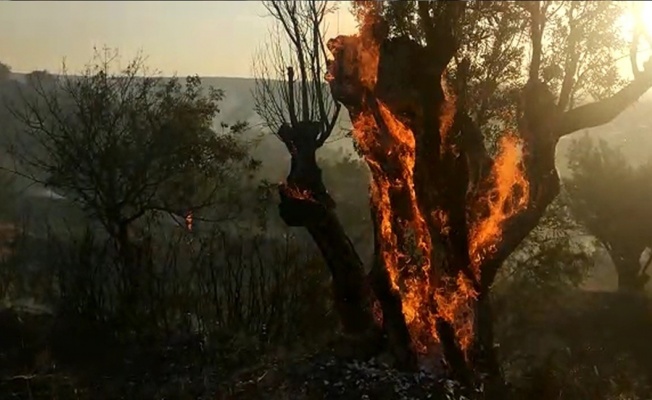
306, 203
432, 173
628, 268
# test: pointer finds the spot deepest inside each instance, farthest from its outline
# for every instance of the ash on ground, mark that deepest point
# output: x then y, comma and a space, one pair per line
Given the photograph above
324, 376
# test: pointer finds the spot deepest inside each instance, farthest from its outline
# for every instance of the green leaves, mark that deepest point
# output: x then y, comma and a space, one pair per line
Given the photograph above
581, 43
123, 144
610, 196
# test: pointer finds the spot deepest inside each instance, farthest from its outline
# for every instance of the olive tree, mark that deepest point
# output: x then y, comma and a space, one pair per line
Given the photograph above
125, 144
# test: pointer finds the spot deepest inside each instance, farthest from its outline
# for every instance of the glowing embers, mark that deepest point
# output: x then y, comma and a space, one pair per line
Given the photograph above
189, 221
296, 193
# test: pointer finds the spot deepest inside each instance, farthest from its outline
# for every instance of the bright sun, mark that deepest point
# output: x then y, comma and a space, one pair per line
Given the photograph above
640, 11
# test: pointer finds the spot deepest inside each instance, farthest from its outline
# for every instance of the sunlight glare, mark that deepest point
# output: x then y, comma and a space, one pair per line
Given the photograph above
641, 12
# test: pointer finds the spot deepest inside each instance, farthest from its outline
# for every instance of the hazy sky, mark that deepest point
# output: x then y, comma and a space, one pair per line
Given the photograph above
210, 38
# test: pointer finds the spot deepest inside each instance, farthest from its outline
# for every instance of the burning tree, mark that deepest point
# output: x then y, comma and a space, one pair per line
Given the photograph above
304, 125
424, 95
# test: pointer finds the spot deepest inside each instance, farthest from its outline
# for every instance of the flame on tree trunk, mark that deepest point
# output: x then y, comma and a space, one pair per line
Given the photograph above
446, 214
440, 201
305, 202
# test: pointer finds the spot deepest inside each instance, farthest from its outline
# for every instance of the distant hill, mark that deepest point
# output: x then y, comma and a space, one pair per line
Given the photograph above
632, 130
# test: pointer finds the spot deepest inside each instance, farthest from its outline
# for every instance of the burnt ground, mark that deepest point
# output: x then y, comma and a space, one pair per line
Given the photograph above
324, 376
39, 361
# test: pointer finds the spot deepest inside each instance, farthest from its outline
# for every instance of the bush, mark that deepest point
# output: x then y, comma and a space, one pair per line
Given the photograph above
238, 296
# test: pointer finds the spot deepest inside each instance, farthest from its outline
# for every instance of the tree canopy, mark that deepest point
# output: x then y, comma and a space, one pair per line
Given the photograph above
126, 143
427, 86
610, 197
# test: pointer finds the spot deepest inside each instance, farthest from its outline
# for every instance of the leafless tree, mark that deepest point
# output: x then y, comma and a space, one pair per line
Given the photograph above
295, 102
293, 62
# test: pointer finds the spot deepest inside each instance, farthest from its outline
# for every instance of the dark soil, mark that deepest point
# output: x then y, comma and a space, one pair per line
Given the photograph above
324, 376
39, 359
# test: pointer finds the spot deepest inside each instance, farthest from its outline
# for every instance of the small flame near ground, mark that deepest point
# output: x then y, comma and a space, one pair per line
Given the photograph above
296, 193
188, 220
454, 296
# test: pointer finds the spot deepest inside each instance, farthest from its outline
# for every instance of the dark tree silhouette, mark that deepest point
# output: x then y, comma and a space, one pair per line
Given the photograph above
127, 145
610, 197
5, 71
293, 99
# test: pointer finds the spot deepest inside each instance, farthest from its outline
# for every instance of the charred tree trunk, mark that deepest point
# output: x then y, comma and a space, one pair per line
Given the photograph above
399, 343
306, 203
632, 278
129, 302
430, 157
433, 175
484, 351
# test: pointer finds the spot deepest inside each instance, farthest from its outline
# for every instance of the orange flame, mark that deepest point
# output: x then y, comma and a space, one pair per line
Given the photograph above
390, 154
188, 220
295, 192
510, 195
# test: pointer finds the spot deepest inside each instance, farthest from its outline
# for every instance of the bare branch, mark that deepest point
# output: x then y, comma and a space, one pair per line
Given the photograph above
291, 108
639, 32
536, 35
603, 111
571, 62
300, 28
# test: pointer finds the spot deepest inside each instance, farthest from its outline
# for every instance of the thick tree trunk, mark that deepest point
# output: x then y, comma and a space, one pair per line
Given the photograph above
631, 278
435, 184
435, 177
351, 296
129, 303
306, 203
484, 352
399, 343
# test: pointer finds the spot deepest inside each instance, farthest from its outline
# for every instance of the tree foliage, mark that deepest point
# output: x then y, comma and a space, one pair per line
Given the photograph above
124, 143
553, 257
610, 197
579, 46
